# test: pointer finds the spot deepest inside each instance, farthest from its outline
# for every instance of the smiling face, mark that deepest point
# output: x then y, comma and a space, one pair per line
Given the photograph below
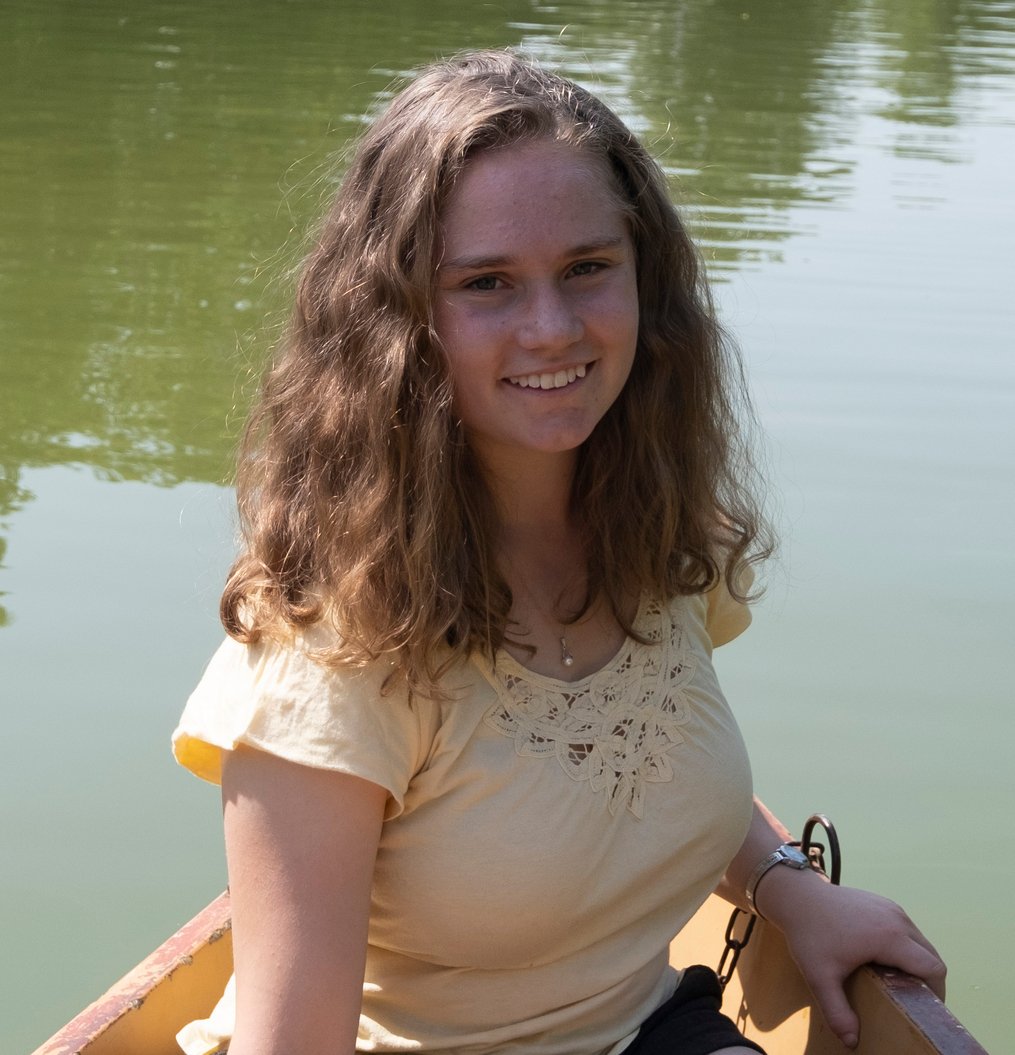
537, 302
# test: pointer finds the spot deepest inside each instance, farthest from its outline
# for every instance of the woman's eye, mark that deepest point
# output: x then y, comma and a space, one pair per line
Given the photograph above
483, 284
586, 267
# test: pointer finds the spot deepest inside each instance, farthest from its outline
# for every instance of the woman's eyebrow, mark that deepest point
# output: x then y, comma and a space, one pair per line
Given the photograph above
482, 263
474, 263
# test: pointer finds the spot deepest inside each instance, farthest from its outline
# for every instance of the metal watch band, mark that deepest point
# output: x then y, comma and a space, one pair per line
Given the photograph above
788, 855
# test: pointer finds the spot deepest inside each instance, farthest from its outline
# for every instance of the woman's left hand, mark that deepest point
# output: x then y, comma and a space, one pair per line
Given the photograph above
831, 930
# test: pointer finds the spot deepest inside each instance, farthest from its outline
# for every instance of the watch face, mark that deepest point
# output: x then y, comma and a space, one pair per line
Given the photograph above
793, 856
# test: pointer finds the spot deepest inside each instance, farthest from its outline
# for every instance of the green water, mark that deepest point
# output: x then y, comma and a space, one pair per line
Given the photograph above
847, 167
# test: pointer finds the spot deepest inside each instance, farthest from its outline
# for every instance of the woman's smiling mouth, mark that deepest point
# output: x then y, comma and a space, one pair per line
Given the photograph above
558, 379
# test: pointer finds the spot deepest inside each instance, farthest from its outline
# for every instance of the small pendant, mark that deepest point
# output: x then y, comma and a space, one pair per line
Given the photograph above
565, 653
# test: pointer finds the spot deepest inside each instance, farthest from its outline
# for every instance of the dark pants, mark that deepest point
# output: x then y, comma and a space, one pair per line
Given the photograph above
689, 1023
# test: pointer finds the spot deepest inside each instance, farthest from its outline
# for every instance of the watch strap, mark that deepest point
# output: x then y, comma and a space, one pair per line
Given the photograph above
788, 854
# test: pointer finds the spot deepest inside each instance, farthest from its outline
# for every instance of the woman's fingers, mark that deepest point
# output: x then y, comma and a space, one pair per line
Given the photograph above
834, 930
841, 1018
921, 959
913, 954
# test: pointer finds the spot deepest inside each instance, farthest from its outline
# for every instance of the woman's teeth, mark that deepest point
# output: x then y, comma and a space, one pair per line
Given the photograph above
557, 380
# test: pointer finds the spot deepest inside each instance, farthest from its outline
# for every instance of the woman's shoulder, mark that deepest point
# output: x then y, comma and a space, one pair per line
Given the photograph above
281, 695
719, 614
290, 665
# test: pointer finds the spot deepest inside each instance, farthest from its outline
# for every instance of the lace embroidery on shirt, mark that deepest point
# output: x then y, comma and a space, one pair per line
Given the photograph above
615, 728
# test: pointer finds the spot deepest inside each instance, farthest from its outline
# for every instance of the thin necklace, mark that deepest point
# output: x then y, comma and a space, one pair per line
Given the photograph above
565, 653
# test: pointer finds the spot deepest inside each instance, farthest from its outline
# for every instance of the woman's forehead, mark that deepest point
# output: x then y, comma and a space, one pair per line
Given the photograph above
541, 193
532, 169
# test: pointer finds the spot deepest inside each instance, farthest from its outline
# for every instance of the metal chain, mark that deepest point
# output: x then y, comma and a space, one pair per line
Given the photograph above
816, 853
734, 946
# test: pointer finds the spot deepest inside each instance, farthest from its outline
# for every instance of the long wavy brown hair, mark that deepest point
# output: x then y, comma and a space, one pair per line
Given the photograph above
360, 501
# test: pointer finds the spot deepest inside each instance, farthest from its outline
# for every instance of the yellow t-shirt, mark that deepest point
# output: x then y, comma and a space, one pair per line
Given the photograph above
543, 840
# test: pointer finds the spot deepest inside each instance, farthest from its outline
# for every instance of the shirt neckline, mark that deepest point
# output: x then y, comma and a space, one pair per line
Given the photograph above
505, 663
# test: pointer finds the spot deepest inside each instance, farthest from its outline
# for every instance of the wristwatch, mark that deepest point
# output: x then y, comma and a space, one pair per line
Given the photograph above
788, 855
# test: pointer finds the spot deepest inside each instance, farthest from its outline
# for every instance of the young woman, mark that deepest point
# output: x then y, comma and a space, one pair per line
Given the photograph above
476, 766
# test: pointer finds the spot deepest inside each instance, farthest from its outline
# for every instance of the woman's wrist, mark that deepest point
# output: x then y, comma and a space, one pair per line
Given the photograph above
777, 893
788, 855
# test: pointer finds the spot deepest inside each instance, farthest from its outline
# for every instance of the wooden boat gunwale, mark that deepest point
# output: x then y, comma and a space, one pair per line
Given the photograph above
915, 999
922, 1018
210, 925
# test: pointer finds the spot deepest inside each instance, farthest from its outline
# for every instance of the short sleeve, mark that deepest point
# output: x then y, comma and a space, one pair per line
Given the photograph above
726, 617
278, 699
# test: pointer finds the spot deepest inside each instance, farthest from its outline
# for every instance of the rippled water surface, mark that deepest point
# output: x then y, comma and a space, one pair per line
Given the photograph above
846, 165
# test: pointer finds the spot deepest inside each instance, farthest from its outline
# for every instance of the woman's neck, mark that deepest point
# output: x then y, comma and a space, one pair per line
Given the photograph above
542, 556
539, 545
533, 499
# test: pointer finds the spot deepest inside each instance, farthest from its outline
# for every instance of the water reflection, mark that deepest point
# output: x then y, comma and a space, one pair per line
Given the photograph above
153, 199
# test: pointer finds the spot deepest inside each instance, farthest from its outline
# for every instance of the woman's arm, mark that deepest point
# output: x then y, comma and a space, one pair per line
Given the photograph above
300, 847
830, 930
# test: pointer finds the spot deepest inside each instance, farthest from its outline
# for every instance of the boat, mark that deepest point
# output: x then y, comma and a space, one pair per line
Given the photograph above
766, 996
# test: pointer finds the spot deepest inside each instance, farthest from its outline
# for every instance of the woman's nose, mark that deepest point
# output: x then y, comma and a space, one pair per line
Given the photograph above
549, 320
